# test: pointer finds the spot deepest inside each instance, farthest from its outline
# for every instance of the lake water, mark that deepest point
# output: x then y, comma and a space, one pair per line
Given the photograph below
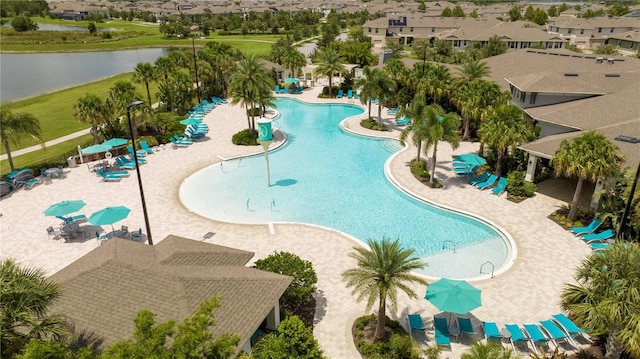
27, 75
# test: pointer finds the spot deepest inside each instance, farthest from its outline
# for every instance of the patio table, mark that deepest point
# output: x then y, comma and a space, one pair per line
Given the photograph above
54, 172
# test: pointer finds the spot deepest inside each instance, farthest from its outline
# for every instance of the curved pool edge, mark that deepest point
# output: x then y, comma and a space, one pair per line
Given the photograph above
512, 250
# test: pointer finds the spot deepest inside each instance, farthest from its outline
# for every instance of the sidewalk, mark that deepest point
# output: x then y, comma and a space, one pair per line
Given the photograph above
48, 143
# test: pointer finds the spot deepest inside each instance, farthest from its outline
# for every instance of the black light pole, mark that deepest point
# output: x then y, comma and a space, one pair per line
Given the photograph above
627, 208
135, 159
195, 67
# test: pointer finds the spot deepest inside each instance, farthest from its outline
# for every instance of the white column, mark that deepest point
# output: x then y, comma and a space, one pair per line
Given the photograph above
531, 168
273, 318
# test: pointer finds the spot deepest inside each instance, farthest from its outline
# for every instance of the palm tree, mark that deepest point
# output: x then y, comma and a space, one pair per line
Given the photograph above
25, 297
488, 350
92, 109
418, 130
473, 70
294, 60
382, 270
382, 87
329, 63
588, 156
606, 299
474, 99
144, 73
440, 127
15, 125
249, 85
366, 87
435, 82
505, 128
164, 67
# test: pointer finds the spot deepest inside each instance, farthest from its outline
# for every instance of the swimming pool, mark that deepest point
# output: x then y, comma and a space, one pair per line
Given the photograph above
328, 177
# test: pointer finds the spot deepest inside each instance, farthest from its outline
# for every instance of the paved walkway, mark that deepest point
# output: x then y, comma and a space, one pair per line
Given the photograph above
68, 137
527, 292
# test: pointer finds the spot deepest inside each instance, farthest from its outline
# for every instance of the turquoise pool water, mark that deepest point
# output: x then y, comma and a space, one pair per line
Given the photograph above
328, 177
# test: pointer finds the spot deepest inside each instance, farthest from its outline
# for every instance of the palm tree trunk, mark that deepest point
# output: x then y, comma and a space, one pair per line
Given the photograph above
380, 332
330, 89
248, 118
433, 164
613, 349
466, 129
94, 132
499, 164
576, 196
379, 115
8, 152
369, 108
419, 146
148, 93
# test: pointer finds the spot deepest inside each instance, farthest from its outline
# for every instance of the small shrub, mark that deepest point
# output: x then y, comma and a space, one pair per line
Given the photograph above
245, 138
372, 124
304, 278
398, 346
518, 188
419, 170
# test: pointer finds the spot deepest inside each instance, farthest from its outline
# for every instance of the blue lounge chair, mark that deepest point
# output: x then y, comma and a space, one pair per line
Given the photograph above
538, 339
600, 246
80, 218
569, 326
441, 330
277, 89
402, 121
415, 323
465, 326
488, 183
598, 237
124, 163
349, 93
590, 228
491, 331
182, 139
500, 187
140, 153
145, 147
176, 144
27, 184
113, 173
555, 333
107, 177
393, 111
355, 95
465, 170
285, 90
517, 336
483, 177
340, 92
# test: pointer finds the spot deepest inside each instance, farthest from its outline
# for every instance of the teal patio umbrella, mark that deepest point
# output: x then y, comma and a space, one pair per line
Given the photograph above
453, 296
291, 79
109, 215
115, 142
190, 121
64, 208
95, 149
471, 159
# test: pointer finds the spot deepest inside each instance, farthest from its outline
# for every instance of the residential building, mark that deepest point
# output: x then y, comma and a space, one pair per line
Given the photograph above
591, 32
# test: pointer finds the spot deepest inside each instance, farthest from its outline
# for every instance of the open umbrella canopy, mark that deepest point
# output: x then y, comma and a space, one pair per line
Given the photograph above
64, 208
115, 142
109, 215
96, 149
471, 159
190, 121
291, 79
455, 296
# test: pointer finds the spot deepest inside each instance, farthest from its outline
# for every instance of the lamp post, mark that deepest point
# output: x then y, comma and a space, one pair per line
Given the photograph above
135, 159
627, 208
265, 137
195, 67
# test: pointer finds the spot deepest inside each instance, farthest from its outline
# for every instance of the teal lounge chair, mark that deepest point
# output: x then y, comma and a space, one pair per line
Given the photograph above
140, 153
285, 90
277, 89
106, 177
349, 93
555, 333
488, 183
177, 144
483, 177
569, 326
491, 331
590, 228
517, 336
355, 95
441, 330
402, 121
500, 187
415, 324
598, 237
538, 339
465, 326
600, 246
114, 173
340, 92
145, 147
125, 164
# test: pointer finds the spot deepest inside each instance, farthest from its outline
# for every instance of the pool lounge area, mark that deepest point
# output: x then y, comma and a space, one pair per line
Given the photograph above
527, 292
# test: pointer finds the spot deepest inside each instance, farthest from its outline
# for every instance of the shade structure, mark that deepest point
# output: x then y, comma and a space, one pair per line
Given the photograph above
96, 149
109, 215
471, 159
190, 121
291, 79
454, 296
64, 208
115, 142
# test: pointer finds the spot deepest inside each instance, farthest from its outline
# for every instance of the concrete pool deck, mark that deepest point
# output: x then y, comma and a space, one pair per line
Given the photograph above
527, 292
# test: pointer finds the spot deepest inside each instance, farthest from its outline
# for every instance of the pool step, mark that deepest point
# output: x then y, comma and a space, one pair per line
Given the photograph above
390, 146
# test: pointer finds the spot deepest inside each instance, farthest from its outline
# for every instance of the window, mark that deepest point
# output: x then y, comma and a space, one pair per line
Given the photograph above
433, 29
581, 31
569, 31
376, 30
599, 29
611, 29
411, 29
522, 96
369, 29
400, 30
513, 45
532, 98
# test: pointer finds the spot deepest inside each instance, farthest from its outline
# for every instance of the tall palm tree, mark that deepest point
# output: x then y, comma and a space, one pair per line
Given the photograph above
145, 73
383, 88
25, 297
505, 128
382, 270
294, 60
440, 127
329, 63
13, 126
92, 109
249, 85
435, 81
164, 67
366, 87
606, 299
473, 70
589, 156
418, 129
474, 99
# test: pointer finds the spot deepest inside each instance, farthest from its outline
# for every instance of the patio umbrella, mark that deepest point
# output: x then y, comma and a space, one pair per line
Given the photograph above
64, 207
96, 149
471, 159
453, 296
190, 121
291, 79
115, 142
109, 215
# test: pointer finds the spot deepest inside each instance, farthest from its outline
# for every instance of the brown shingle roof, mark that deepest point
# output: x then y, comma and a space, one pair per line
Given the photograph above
103, 291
